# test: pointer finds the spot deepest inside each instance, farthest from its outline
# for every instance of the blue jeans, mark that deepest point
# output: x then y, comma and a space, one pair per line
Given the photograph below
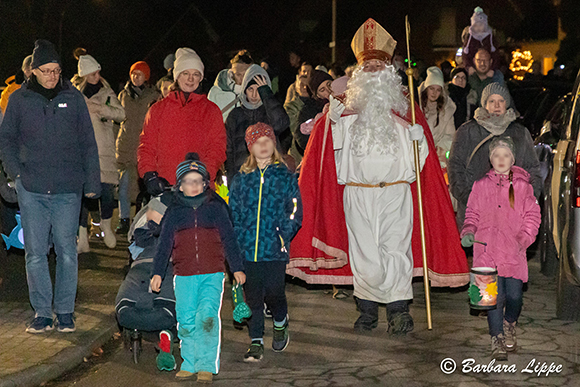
198, 302
124, 194
44, 215
509, 296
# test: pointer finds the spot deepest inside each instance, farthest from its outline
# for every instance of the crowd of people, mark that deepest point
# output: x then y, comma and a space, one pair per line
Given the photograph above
321, 180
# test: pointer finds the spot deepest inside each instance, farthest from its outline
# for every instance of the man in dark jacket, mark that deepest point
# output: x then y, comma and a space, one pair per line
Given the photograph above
48, 146
258, 105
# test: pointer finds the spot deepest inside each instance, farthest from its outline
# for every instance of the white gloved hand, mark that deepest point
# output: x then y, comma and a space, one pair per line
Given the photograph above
335, 109
416, 132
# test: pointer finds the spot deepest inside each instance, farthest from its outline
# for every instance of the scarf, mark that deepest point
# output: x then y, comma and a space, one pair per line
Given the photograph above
91, 89
46, 93
496, 125
134, 91
191, 201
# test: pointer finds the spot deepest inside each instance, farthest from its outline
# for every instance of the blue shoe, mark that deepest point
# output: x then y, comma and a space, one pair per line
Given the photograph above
280, 337
40, 325
65, 323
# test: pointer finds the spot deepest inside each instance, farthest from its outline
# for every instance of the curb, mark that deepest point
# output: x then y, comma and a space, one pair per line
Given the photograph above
62, 362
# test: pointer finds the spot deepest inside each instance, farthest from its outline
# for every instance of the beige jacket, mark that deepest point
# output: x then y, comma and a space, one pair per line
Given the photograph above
104, 108
131, 128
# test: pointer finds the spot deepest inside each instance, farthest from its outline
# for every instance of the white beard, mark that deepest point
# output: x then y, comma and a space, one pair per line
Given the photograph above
376, 97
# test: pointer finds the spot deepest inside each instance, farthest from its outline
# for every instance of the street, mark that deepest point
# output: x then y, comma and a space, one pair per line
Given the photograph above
324, 350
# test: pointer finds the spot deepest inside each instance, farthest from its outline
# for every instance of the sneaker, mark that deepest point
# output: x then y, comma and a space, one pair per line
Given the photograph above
65, 323
165, 360
123, 227
509, 330
280, 338
40, 325
267, 312
204, 377
255, 352
498, 349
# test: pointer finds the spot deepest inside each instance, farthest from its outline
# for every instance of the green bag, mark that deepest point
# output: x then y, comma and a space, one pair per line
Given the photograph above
241, 309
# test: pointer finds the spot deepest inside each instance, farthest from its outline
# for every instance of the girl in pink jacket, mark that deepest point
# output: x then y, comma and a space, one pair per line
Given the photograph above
503, 213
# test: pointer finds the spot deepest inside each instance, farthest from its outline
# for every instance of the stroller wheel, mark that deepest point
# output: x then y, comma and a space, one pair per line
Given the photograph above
136, 345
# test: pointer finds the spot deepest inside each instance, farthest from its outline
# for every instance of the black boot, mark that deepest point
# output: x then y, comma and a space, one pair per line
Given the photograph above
123, 227
400, 321
369, 315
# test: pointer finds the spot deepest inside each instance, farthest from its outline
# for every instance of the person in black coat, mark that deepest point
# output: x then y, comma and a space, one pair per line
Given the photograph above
460, 92
258, 105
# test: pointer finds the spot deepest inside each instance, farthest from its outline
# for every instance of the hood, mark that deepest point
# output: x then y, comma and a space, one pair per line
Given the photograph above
251, 72
519, 174
224, 80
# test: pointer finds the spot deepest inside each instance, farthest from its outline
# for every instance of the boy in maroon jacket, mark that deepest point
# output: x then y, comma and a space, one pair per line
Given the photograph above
197, 233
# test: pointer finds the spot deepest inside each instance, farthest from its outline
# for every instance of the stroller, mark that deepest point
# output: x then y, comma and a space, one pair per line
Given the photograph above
141, 313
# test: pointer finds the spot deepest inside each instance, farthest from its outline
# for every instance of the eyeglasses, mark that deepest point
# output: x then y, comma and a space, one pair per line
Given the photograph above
47, 73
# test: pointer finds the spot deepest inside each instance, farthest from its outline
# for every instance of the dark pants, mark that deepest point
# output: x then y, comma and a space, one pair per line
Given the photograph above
510, 296
106, 201
265, 283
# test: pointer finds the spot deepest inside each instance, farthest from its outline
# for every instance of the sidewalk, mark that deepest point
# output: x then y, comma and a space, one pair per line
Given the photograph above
29, 360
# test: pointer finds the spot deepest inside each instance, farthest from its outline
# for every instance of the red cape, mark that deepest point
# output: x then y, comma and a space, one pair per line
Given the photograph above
319, 252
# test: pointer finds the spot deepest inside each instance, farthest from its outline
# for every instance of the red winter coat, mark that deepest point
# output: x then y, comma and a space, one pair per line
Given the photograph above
174, 127
507, 231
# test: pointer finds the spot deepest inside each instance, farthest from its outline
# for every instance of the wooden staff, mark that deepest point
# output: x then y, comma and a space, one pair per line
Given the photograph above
418, 174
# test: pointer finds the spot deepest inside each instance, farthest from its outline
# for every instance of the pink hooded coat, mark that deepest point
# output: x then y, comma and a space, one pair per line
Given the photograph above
507, 231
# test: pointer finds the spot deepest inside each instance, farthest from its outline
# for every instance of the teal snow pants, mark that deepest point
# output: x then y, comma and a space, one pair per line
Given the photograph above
198, 302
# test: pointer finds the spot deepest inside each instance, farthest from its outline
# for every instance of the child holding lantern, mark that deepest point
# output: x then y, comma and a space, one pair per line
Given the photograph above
503, 213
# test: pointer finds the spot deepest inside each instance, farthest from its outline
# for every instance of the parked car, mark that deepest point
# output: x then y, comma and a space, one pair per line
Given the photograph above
558, 147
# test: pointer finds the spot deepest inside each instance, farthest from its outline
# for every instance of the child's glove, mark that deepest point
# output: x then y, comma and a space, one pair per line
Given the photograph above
241, 309
467, 240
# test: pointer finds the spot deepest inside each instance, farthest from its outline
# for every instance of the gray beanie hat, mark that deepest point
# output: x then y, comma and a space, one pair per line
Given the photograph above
503, 142
496, 88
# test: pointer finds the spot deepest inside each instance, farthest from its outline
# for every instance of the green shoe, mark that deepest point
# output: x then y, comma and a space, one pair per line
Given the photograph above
255, 352
165, 359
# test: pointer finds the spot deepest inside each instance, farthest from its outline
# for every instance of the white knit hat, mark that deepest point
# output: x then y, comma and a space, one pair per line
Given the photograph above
186, 59
88, 65
434, 77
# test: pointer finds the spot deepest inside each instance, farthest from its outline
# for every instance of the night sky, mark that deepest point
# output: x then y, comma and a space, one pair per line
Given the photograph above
120, 32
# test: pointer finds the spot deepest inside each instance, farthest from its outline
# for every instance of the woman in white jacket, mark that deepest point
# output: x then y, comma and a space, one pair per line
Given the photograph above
104, 109
438, 109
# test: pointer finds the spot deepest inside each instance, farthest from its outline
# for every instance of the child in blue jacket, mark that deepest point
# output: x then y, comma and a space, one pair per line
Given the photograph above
267, 213
197, 233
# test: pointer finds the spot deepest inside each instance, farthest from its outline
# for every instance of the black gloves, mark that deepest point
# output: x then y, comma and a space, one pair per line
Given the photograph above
155, 184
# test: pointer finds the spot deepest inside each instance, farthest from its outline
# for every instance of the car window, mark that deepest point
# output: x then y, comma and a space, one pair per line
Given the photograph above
557, 116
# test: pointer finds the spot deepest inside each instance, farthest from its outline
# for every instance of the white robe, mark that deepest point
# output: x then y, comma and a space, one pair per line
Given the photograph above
379, 220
